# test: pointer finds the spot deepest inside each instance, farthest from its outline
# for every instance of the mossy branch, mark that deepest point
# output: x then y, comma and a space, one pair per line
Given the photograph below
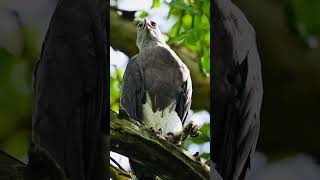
163, 158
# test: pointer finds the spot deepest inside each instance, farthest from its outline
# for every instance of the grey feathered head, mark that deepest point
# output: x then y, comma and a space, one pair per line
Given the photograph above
148, 34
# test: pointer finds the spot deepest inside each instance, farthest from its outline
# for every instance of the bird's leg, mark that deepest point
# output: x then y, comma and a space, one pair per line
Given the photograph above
186, 131
190, 129
174, 137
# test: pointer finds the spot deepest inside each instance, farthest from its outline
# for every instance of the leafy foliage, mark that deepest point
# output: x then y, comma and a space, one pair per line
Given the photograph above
303, 18
192, 28
15, 94
115, 83
306, 13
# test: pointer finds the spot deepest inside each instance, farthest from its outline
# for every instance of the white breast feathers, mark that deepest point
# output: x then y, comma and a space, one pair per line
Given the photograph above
166, 119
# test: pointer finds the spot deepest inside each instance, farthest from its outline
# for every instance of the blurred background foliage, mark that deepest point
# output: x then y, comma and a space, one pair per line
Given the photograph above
303, 15
191, 28
17, 59
288, 34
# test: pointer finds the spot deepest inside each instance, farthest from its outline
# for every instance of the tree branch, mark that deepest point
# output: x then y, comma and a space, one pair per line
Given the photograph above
124, 38
163, 158
119, 174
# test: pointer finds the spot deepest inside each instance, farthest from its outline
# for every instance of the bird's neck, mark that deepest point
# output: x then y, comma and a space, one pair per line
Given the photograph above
150, 44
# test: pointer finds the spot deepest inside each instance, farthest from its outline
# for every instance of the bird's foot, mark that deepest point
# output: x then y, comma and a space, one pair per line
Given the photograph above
174, 138
160, 134
157, 132
190, 129
160, 131
196, 155
152, 130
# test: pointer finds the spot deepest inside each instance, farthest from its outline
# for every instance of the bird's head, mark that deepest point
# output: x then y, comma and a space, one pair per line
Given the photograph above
148, 34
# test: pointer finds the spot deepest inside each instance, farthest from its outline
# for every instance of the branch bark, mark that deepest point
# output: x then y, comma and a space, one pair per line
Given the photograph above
163, 158
124, 38
119, 174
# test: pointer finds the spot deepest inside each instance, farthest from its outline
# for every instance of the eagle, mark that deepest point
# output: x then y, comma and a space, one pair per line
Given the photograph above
156, 89
69, 87
237, 91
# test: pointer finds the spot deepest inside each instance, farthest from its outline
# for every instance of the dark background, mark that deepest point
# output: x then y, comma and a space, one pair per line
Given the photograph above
288, 43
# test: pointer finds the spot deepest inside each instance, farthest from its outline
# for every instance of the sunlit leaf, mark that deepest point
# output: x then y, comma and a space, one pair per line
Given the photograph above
143, 14
205, 63
114, 90
187, 20
207, 38
156, 4
115, 107
183, 6
205, 22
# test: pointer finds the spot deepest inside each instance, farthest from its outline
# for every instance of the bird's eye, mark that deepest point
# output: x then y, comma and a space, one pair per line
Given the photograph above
154, 24
140, 26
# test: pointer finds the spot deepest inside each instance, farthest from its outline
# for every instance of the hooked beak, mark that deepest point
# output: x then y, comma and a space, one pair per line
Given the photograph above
146, 24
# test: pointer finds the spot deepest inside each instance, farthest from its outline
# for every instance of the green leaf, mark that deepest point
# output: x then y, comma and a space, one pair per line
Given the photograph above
207, 38
18, 144
143, 14
205, 130
197, 21
30, 48
205, 63
205, 23
303, 19
115, 107
8, 123
183, 6
192, 29
114, 90
156, 4
205, 155
187, 20
307, 14
171, 13
175, 29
